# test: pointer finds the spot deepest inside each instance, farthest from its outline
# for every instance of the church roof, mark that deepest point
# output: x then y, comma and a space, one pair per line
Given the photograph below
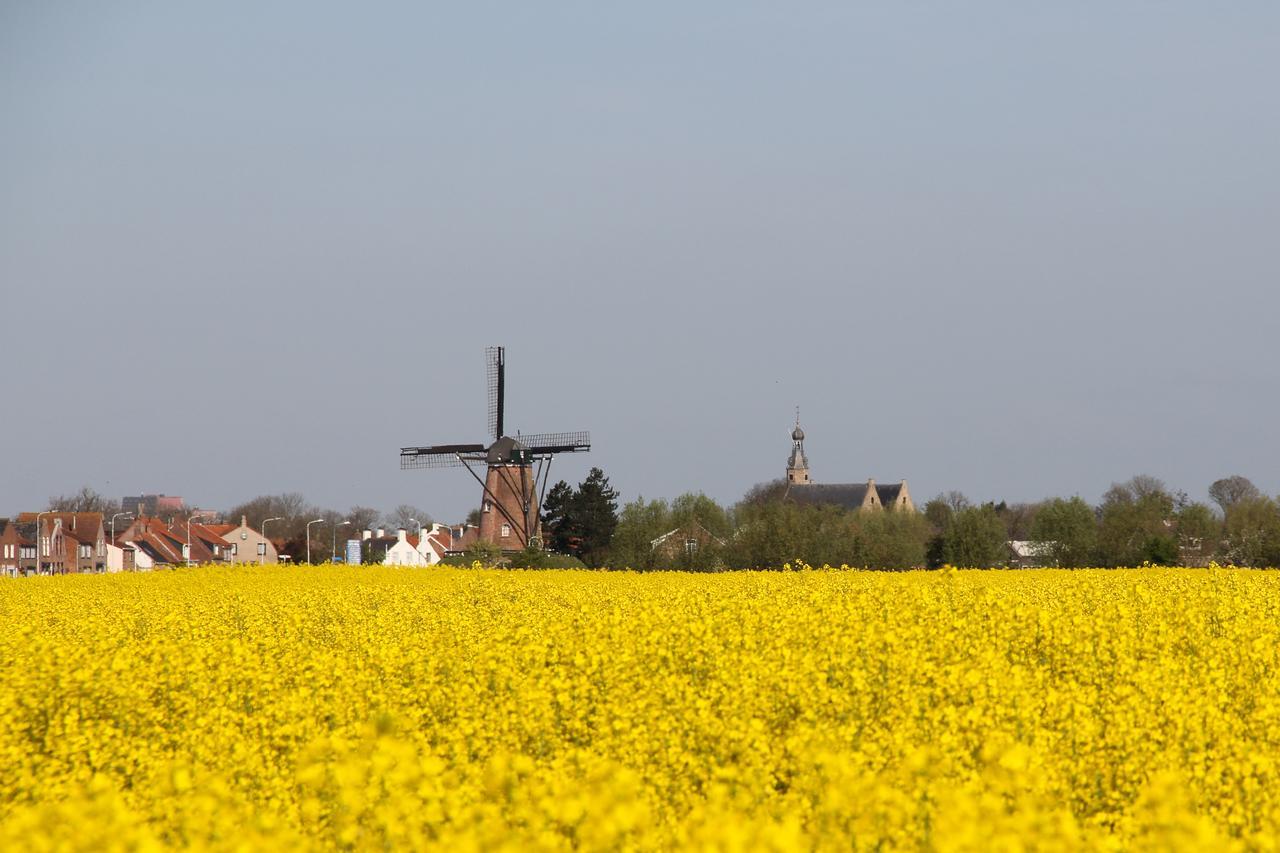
888, 493
847, 495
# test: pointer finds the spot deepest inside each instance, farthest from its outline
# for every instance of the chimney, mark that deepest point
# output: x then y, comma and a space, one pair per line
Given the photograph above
400, 535
381, 532
365, 536
243, 522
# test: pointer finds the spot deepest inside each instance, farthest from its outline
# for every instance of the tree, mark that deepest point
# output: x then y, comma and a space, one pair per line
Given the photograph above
1069, 530
937, 513
408, 517
766, 492
1018, 518
1198, 531
85, 500
975, 538
363, 518
1252, 532
593, 513
639, 523
702, 509
556, 532
581, 521
1229, 491
473, 517
893, 540
1137, 524
291, 508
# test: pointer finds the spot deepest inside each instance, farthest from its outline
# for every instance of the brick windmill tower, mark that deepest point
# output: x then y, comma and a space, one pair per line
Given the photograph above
517, 467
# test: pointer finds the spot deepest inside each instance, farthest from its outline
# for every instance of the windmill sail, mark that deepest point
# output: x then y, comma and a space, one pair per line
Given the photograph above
495, 372
437, 456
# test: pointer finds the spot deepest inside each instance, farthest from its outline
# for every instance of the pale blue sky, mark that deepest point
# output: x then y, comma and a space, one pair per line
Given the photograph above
1013, 249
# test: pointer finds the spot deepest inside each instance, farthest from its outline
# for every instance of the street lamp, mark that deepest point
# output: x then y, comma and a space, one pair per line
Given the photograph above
113, 532
309, 523
334, 557
262, 558
40, 538
188, 554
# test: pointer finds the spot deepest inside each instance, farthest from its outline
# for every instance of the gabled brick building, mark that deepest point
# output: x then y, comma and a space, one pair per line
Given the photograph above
70, 541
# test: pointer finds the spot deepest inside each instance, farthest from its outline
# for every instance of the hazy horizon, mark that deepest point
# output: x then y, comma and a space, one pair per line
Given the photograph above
1015, 252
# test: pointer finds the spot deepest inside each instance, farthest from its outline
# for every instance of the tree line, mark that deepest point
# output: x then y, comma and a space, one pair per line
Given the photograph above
1139, 521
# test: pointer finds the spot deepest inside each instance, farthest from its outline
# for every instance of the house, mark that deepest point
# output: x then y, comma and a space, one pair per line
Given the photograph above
152, 543
244, 544
12, 545
686, 540
462, 537
70, 541
202, 544
1026, 554
853, 496
435, 544
404, 551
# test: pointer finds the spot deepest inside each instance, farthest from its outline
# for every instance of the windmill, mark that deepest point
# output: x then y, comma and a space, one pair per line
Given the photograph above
517, 466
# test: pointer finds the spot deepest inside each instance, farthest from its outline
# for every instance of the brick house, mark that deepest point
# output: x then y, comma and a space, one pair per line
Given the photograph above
71, 541
206, 545
686, 540
12, 545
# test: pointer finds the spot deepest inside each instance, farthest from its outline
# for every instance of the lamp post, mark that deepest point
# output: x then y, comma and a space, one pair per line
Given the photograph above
334, 557
40, 539
309, 523
262, 558
188, 554
113, 533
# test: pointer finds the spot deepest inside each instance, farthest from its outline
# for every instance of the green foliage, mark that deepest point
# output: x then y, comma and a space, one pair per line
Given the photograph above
555, 522
1252, 532
1069, 528
890, 540
484, 552
581, 522
975, 537
1137, 524
771, 535
536, 558
639, 523
698, 507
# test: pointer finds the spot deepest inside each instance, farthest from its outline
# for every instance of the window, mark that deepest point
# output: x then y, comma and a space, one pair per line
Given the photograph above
690, 546
506, 530
486, 506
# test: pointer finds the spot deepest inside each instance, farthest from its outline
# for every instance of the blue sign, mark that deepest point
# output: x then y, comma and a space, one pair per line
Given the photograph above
353, 552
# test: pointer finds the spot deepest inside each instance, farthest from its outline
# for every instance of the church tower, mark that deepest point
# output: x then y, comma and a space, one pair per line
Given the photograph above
797, 464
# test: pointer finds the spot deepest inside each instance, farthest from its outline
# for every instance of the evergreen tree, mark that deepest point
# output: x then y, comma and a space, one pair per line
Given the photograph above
593, 516
557, 533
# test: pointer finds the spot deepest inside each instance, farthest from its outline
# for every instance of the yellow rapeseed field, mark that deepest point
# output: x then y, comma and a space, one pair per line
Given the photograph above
372, 708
